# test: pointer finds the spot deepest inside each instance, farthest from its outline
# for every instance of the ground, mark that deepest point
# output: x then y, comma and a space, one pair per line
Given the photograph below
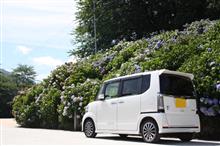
12, 134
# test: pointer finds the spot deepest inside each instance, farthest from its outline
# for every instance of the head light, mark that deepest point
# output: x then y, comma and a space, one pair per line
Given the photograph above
86, 109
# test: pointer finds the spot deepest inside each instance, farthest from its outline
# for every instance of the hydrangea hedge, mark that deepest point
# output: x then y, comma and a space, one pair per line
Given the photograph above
59, 100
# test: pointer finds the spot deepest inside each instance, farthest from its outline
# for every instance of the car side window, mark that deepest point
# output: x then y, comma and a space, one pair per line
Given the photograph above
131, 86
111, 90
145, 83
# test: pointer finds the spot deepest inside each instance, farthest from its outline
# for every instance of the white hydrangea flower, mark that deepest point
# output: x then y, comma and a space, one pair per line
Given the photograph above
62, 93
117, 75
75, 99
94, 82
72, 97
65, 111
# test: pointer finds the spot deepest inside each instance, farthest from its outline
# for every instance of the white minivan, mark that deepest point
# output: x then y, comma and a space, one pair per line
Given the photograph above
150, 104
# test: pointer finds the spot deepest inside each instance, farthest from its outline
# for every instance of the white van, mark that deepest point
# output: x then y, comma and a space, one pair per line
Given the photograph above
150, 104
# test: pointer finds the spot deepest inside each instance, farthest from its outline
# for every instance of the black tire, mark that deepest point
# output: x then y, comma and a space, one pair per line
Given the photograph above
186, 137
149, 131
123, 136
89, 129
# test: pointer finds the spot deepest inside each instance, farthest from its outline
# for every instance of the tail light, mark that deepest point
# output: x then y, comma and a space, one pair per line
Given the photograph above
160, 103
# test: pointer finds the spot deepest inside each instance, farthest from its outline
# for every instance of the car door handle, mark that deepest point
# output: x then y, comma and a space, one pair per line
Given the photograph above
113, 103
121, 102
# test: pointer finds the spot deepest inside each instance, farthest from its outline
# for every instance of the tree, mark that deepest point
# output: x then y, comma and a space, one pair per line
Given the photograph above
118, 20
10, 83
8, 90
24, 76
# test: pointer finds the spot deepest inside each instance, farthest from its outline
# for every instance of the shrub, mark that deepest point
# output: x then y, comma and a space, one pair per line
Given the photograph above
48, 108
70, 87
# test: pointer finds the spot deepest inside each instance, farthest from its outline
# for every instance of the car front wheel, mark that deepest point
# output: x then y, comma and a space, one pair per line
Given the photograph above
89, 128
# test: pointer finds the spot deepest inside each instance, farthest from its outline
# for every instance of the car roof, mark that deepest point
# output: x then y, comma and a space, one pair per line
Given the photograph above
159, 72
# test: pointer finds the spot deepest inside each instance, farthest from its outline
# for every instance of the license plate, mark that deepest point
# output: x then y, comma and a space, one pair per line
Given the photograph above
180, 102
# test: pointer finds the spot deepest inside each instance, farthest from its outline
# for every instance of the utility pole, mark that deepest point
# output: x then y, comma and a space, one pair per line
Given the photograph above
75, 121
94, 24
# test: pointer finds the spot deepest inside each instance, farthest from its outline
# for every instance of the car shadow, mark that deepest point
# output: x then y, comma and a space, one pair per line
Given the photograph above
163, 141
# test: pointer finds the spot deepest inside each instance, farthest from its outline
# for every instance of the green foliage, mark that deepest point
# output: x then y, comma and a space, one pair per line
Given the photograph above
131, 20
73, 102
10, 83
24, 76
70, 87
25, 110
48, 102
8, 90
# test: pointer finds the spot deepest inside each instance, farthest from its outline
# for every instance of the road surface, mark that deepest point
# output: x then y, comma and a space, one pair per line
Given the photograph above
12, 134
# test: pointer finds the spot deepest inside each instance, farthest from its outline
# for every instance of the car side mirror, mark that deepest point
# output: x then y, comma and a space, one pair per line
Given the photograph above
101, 97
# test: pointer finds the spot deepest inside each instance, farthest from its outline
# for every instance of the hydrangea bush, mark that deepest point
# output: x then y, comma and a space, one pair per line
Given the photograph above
59, 100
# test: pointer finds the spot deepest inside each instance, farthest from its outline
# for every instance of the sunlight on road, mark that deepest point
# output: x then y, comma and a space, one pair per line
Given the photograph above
1, 132
12, 134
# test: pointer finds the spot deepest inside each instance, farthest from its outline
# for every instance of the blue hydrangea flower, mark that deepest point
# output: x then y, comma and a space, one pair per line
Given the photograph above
218, 87
203, 110
210, 102
206, 101
202, 99
158, 44
211, 112
215, 101
113, 42
209, 49
102, 70
137, 68
96, 64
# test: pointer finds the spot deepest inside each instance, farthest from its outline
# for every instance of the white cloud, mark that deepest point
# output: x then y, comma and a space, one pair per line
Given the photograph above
23, 49
47, 61
40, 77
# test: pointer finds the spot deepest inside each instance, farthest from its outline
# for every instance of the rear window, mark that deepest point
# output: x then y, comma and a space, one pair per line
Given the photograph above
176, 85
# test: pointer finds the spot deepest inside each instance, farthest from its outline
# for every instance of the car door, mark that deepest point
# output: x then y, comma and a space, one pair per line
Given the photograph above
107, 108
179, 101
129, 104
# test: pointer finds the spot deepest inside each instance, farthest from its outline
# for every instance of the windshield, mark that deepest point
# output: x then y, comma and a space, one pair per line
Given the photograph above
176, 85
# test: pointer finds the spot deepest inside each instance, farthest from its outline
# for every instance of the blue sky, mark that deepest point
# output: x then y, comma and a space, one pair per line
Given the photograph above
37, 33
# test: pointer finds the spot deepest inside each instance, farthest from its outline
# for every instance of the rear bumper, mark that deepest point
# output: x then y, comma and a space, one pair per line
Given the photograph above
180, 130
164, 127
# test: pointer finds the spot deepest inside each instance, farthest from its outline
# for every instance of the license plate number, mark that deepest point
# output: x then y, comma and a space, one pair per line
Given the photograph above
180, 102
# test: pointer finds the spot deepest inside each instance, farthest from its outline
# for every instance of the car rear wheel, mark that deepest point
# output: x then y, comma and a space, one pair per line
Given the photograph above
89, 128
149, 131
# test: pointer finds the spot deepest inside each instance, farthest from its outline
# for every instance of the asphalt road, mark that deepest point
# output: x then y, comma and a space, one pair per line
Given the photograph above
12, 134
